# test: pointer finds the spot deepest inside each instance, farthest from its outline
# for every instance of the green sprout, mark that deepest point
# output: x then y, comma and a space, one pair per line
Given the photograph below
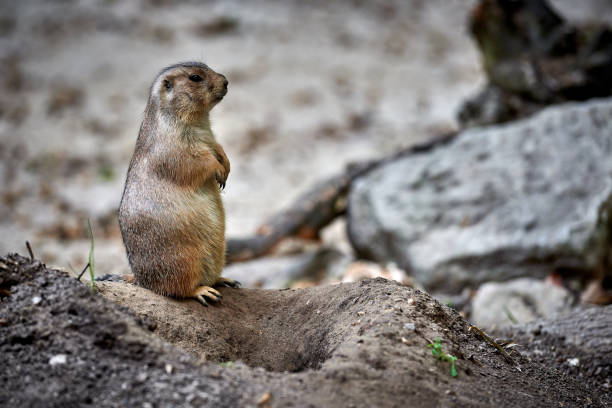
436, 351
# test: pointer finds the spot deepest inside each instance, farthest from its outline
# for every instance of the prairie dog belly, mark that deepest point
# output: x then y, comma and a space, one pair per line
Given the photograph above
182, 231
203, 219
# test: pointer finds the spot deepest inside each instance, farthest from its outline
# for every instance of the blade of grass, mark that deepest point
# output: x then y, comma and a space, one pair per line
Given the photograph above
510, 315
91, 258
74, 272
494, 344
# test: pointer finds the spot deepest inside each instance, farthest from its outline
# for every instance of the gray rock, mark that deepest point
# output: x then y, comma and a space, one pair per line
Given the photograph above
521, 300
496, 203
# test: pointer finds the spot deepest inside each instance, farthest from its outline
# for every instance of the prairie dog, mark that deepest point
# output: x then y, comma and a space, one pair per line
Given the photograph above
171, 215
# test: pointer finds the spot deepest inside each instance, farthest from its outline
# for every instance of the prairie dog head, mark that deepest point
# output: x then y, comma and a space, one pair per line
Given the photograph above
187, 91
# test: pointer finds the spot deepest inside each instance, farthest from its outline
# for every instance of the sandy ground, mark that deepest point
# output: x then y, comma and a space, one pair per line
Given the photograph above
312, 88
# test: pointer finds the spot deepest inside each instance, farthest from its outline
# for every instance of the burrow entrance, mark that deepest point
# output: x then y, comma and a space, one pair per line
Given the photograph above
284, 330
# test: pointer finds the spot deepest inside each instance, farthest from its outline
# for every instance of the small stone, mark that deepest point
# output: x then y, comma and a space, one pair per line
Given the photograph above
189, 388
58, 359
36, 300
360, 313
517, 301
142, 377
409, 326
169, 368
265, 398
573, 362
411, 301
160, 385
405, 341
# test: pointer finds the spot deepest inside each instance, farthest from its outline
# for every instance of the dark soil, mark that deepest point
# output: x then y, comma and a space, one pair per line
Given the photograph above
350, 345
579, 345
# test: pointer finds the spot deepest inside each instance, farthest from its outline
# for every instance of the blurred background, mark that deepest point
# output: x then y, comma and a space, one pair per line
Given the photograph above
313, 86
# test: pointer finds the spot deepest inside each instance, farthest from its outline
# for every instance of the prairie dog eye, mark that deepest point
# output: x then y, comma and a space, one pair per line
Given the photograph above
195, 78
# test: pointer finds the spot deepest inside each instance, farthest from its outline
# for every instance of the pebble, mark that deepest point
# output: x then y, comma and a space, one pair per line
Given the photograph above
265, 398
36, 300
409, 326
160, 385
574, 362
58, 359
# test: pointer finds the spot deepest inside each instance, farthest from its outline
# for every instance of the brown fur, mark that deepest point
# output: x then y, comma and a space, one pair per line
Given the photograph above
171, 214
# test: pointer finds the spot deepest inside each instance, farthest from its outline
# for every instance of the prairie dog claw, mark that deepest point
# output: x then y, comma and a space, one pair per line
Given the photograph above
206, 292
230, 283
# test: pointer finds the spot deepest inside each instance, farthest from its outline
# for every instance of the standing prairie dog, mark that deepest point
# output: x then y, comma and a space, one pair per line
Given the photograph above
171, 214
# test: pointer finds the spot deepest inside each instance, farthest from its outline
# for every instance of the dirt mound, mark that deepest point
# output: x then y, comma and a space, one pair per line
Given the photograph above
63, 346
358, 344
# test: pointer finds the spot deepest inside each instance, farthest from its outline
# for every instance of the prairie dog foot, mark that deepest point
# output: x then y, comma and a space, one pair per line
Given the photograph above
203, 292
227, 282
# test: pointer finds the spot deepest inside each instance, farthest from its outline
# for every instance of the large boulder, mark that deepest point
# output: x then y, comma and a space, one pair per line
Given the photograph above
496, 203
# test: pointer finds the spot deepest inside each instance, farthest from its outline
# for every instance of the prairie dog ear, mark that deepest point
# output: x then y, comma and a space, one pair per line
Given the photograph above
167, 84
